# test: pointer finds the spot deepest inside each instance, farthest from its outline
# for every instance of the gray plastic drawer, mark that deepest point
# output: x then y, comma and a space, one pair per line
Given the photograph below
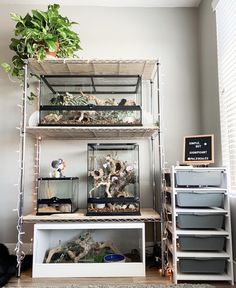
200, 221
201, 243
199, 178
203, 265
202, 198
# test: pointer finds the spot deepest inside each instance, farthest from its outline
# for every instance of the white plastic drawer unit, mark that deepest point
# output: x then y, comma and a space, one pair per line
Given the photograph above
56, 244
199, 177
203, 265
200, 198
200, 220
201, 242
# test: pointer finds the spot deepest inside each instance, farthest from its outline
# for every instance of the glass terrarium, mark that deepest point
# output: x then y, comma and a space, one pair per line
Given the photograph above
57, 195
113, 179
90, 100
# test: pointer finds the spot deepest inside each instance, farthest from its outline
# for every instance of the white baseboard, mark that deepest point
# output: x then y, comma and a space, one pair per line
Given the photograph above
27, 248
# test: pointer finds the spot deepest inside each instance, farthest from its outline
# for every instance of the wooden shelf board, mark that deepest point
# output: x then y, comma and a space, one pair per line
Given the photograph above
147, 215
57, 66
60, 132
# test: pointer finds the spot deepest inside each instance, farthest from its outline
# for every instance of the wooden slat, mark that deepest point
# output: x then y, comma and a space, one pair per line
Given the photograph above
92, 132
144, 68
147, 215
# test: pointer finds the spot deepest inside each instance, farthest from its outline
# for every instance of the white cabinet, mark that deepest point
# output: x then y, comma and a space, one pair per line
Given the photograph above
57, 224
198, 226
47, 236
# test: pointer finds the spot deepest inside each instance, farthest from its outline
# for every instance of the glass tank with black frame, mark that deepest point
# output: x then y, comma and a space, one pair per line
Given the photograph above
77, 100
57, 195
113, 179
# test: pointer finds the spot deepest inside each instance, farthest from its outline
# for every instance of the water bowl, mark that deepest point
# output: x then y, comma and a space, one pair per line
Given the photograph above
114, 258
100, 205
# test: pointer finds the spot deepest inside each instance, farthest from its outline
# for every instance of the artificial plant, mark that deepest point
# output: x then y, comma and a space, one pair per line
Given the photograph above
38, 33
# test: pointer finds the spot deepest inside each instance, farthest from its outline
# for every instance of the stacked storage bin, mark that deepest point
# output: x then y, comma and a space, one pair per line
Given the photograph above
199, 232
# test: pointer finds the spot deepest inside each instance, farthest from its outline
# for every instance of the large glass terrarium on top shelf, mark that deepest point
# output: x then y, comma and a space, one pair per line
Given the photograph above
113, 179
77, 100
57, 195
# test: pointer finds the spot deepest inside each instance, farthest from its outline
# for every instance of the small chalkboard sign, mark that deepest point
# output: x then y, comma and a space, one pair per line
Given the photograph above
199, 149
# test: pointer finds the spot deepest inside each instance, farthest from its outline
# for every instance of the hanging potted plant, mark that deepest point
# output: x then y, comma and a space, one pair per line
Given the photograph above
40, 35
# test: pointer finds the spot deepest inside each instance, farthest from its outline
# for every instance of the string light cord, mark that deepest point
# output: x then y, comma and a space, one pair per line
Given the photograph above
20, 185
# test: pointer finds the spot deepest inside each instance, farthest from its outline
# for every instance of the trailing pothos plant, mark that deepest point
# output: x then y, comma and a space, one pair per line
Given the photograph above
38, 33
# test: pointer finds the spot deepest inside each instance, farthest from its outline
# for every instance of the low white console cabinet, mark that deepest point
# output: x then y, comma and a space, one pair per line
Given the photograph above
126, 237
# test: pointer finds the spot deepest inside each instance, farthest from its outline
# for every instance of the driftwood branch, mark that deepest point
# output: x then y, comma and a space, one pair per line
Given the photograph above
85, 243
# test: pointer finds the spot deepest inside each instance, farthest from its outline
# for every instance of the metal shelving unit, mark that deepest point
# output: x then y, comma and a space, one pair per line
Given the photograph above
149, 70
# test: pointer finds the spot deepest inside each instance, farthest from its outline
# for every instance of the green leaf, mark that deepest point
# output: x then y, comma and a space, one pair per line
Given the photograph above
15, 72
13, 43
17, 61
27, 19
74, 23
41, 54
54, 7
30, 49
51, 46
17, 18
6, 67
36, 24
39, 15
50, 37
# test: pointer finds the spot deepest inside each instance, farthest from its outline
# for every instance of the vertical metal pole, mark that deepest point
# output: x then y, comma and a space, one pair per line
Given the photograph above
161, 162
152, 102
153, 153
22, 173
37, 169
153, 163
153, 174
153, 186
37, 154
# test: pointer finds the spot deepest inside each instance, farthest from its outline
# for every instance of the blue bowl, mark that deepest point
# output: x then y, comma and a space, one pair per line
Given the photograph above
110, 258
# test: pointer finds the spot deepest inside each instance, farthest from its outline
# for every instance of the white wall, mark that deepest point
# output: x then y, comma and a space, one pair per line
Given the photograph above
168, 34
210, 114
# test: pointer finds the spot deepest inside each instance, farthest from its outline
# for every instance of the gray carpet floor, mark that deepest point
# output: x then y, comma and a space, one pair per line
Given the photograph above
139, 286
